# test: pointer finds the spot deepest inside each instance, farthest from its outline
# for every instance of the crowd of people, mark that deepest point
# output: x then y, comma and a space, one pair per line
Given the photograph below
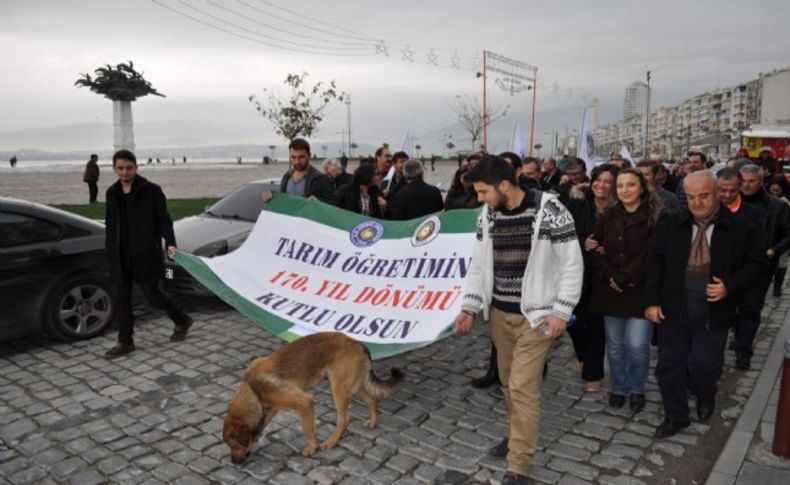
680, 256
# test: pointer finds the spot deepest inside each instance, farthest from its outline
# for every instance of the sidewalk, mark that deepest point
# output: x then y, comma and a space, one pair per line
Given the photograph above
747, 458
155, 417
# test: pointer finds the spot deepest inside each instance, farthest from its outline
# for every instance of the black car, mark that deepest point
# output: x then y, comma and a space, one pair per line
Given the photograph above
54, 273
220, 229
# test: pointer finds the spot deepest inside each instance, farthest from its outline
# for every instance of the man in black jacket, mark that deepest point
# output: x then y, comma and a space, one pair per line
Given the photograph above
417, 198
136, 221
774, 220
704, 259
303, 179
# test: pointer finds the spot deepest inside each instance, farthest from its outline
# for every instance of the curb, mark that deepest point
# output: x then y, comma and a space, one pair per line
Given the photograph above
728, 465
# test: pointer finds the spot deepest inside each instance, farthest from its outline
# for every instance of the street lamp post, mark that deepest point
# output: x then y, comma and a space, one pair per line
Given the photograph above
348, 116
647, 119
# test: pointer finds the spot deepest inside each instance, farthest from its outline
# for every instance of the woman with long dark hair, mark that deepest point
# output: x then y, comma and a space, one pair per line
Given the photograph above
621, 243
362, 195
587, 203
461, 194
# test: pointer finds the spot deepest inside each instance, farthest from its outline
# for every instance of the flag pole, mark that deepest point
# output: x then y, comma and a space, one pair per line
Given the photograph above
532, 125
485, 103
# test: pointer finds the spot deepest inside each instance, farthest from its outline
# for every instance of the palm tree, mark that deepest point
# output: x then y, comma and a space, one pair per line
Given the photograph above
121, 84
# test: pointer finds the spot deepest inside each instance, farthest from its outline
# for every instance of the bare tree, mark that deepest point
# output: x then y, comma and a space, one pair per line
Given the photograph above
300, 113
470, 114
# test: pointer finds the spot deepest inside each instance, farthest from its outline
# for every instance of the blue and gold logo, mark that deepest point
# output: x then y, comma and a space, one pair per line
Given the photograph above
366, 233
427, 231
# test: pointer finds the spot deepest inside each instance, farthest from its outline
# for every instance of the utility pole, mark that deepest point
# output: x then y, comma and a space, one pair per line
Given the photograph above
647, 119
348, 104
342, 132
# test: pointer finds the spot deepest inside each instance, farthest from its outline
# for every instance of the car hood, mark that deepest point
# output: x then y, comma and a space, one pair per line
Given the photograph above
196, 231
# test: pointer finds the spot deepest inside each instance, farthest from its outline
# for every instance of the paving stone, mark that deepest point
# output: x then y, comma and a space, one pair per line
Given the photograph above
619, 480
623, 465
112, 464
669, 448
288, 478
32, 474
623, 451
453, 477
383, 476
591, 430
567, 451
615, 422
326, 475
629, 438
544, 475
168, 472
580, 470
356, 466
49, 457
61, 470
580, 442
571, 480
427, 472
402, 463
87, 477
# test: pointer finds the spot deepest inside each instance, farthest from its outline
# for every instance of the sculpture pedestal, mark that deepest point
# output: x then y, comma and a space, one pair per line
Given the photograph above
123, 125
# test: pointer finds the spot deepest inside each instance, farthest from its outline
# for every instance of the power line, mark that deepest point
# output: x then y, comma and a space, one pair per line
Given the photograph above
258, 41
300, 44
301, 18
289, 32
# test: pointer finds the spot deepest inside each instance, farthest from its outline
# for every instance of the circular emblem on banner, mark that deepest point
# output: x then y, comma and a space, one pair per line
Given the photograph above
426, 232
590, 146
366, 233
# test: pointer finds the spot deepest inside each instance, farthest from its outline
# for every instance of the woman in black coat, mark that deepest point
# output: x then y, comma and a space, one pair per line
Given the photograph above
462, 194
362, 195
586, 204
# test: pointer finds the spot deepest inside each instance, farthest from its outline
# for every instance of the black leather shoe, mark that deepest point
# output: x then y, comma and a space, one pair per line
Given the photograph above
181, 331
636, 402
705, 409
733, 345
489, 379
616, 400
499, 450
743, 362
515, 479
119, 350
669, 428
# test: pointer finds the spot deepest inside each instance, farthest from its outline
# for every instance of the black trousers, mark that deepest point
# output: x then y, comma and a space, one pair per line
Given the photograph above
589, 343
93, 191
690, 356
749, 317
155, 297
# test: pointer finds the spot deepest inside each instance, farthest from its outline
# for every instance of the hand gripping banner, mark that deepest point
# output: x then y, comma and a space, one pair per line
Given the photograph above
310, 267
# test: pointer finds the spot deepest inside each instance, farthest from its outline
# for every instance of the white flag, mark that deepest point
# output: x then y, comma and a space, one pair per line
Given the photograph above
406, 146
625, 154
517, 142
586, 146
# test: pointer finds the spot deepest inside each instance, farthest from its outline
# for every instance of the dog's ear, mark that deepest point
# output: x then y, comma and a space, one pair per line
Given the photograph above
243, 436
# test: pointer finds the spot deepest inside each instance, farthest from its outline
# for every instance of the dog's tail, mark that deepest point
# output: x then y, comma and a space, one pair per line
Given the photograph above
381, 389
378, 388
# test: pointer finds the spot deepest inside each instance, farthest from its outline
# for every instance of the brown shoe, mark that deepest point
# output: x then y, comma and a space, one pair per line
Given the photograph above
593, 386
181, 331
119, 350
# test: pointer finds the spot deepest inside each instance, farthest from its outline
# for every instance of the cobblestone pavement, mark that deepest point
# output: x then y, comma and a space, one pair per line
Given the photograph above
69, 416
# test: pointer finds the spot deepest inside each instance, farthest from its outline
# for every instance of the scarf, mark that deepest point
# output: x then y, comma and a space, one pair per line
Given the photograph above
699, 256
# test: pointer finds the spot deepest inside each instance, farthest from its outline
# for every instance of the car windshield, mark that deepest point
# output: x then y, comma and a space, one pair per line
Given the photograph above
244, 203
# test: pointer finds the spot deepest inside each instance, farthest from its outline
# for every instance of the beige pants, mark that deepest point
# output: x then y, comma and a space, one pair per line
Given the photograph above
521, 355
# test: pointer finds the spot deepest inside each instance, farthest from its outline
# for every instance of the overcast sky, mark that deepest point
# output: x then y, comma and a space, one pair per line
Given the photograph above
586, 49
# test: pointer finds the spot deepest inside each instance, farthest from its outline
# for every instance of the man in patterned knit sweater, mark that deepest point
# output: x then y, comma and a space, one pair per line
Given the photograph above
526, 277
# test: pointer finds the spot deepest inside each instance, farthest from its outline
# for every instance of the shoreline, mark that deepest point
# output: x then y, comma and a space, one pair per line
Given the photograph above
64, 184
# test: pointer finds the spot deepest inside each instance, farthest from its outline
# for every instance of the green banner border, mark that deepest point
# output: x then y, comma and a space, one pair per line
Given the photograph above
452, 222
273, 323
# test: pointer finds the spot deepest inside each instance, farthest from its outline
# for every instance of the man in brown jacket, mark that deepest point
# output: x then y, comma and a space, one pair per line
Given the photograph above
91, 177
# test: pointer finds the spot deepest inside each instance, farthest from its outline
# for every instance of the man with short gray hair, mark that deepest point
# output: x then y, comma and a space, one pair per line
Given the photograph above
775, 223
334, 170
417, 198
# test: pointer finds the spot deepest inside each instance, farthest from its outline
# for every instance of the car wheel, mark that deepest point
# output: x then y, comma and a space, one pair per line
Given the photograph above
79, 308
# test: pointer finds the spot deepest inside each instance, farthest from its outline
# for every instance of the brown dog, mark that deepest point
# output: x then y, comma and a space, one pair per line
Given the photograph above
280, 381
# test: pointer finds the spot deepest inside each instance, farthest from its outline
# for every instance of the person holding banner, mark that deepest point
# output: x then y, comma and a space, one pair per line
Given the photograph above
303, 179
526, 277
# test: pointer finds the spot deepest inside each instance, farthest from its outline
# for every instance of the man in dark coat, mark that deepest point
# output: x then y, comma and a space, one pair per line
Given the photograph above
705, 258
774, 220
136, 221
334, 170
91, 177
303, 179
417, 198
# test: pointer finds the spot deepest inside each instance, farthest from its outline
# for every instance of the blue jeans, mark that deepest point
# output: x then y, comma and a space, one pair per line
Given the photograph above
628, 351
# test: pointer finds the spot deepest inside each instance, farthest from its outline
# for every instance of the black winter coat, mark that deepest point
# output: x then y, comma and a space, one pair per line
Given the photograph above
317, 185
415, 200
149, 223
348, 198
737, 256
775, 220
